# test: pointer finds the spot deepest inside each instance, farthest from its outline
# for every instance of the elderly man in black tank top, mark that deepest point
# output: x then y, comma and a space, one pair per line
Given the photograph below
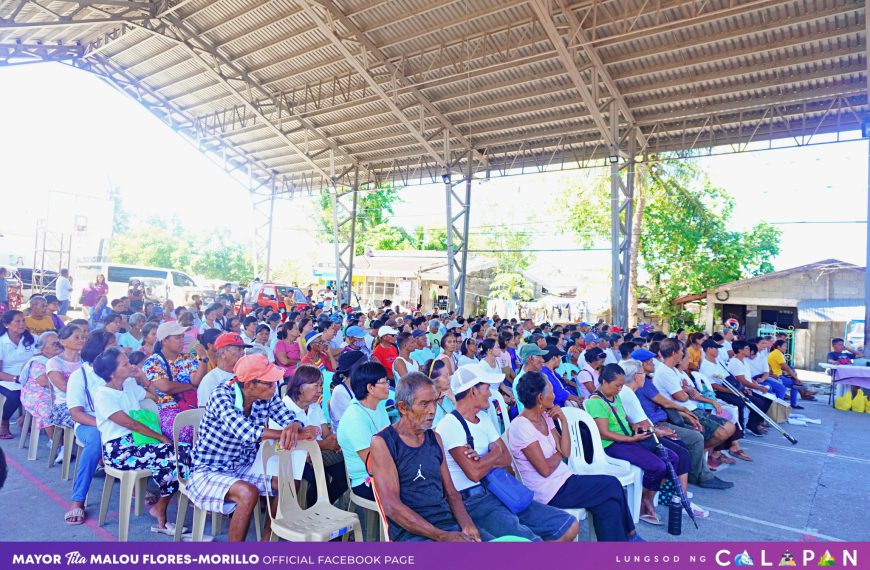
413, 483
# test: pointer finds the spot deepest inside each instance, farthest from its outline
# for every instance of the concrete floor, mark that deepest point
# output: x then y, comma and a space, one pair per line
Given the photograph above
814, 490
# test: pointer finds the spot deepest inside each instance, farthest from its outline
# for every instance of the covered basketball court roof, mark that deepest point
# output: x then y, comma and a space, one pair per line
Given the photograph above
304, 96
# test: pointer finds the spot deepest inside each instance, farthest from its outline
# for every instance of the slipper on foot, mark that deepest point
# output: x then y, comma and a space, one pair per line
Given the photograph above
188, 537
168, 530
651, 519
77, 513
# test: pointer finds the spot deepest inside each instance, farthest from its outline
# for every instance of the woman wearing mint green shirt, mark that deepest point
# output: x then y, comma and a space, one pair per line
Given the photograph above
363, 419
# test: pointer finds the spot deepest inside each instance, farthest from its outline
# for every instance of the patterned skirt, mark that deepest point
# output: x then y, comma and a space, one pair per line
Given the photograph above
159, 458
37, 401
167, 418
60, 416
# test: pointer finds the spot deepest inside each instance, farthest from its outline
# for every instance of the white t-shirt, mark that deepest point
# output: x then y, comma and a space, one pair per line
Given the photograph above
452, 436
108, 401
340, 400
62, 288
738, 368
758, 365
669, 382
463, 360
713, 371
612, 357
75, 388
14, 356
631, 404
209, 382
723, 352
313, 416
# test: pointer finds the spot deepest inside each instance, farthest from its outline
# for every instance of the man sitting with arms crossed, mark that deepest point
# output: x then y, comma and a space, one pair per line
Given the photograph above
411, 476
230, 433
473, 454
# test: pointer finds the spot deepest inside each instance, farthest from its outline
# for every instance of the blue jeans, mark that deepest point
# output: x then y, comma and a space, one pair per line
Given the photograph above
776, 387
792, 385
538, 522
62, 307
88, 459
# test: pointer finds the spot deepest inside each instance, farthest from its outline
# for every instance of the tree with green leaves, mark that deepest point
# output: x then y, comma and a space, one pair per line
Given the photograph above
680, 236
508, 249
373, 211
164, 243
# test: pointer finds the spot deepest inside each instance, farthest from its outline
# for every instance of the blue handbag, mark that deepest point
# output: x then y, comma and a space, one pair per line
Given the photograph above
507, 489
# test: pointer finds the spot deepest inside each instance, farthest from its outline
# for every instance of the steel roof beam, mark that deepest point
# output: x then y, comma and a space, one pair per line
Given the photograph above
707, 39
382, 141
239, 76
601, 74
397, 77
542, 10
327, 29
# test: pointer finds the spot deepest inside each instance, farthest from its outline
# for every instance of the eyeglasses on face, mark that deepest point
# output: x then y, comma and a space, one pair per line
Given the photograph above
383, 381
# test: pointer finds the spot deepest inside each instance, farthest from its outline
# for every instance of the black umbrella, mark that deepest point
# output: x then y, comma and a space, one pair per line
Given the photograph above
684, 500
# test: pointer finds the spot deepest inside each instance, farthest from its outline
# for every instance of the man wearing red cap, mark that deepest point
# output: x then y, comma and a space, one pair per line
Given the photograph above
224, 476
229, 348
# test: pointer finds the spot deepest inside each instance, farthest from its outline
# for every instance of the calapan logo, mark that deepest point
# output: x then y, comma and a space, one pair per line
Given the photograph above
802, 558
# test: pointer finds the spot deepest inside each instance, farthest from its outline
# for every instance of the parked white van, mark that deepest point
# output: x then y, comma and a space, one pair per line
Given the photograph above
179, 286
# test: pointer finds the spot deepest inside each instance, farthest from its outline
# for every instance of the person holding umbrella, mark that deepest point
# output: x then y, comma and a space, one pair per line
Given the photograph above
622, 441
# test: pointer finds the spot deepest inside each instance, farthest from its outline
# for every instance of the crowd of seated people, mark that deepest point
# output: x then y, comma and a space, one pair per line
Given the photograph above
408, 413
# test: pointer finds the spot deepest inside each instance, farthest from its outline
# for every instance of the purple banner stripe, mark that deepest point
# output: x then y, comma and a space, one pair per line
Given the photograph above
427, 556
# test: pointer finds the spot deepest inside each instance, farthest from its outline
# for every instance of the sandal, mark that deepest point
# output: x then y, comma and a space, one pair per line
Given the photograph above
722, 458
74, 516
6, 436
651, 519
740, 454
168, 530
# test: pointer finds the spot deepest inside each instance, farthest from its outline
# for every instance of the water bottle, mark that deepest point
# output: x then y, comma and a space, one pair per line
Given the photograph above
675, 517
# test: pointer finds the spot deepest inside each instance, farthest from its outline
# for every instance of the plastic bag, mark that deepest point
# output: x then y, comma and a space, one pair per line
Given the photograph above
858, 402
844, 402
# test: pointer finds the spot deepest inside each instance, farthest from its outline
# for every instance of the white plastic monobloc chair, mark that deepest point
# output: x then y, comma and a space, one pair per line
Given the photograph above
579, 514
320, 522
193, 418
498, 410
596, 462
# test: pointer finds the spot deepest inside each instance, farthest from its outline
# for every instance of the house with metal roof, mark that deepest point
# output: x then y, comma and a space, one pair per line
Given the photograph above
812, 303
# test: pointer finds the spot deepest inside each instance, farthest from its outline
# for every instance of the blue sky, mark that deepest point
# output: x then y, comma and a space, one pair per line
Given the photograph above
67, 132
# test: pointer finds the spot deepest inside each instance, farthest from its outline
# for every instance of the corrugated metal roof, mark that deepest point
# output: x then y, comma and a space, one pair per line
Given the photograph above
833, 310
308, 88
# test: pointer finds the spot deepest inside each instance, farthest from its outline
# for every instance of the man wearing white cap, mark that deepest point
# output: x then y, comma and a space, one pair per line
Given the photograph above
386, 352
475, 450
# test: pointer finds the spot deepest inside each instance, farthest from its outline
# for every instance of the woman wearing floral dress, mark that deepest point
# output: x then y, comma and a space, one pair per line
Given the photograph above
35, 386
174, 375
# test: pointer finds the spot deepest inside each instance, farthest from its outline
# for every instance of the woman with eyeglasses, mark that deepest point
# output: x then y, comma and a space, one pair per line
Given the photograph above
304, 392
363, 419
35, 387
